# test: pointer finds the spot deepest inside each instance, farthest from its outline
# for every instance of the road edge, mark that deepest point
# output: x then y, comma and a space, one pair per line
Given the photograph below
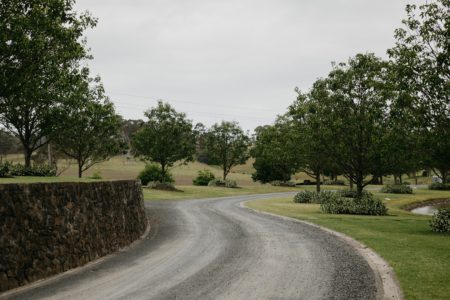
79, 269
388, 286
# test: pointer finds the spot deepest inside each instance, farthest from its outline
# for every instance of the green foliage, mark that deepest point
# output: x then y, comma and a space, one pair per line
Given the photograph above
351, 193
275, 152
164, 186
439, 186
440, 222
203, 178
283, 183
397, 189
153, 173
5, 169
366, 204
315, 197
334, 182
96, 176
41, 47
165, 138
88, 128
223, 183
36, 170
227, 146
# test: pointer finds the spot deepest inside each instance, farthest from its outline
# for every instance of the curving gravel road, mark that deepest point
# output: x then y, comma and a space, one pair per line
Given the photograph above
215, 249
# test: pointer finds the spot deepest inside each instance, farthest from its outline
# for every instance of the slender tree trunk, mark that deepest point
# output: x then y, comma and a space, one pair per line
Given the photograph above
27, 154
359, 184
163, 172
351, 184
381, 180
318, 182
400, 179
80, 169
225, 173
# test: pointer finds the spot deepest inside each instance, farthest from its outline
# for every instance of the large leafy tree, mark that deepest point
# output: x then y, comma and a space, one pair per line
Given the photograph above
165, 138
87, 128
275, 151
313, 131
422, 59
40, 47
227, 145
356, 111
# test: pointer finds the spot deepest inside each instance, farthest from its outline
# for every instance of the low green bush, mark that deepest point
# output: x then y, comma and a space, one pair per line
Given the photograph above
314, 197
440, 222
397, 189
367, 204
153, 172
37, 170
282, 183
165, 186
334, 182
351, 193
223, 183
96, 176
5, 169
203, 178
439, 186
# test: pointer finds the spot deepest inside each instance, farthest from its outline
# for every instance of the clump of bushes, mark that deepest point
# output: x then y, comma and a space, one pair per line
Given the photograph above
153, 173
334, 182
397, 189
283, 183
37, 170
314, 197
440, 222
164, 186
203, 178
96, 176
351, 193
223, 183
366, 204
439, 186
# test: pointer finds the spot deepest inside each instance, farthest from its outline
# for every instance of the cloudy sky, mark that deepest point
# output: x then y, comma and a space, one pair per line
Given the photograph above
236, 60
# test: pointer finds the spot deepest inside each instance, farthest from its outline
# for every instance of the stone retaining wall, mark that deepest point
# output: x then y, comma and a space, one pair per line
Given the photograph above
48, 228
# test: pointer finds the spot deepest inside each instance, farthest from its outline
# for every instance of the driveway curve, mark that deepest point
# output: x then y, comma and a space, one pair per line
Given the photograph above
216, 249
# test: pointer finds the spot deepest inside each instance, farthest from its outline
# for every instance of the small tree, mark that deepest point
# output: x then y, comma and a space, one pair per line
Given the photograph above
165, 138
275, 151
227, 146
88, 129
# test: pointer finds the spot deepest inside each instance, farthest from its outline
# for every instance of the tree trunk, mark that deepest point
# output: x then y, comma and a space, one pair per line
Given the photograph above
318, 182
163, 172
27, 154
381, 180
443, 175
400, 179
351, 184
359, 185
225, 173
80, 169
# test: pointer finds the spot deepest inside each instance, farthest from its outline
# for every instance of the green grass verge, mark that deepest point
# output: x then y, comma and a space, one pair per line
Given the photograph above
420, 258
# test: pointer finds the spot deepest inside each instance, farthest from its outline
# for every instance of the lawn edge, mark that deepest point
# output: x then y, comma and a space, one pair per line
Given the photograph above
388, 286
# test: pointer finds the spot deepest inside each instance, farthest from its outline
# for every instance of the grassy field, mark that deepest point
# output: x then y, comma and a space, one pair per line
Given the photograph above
420, 258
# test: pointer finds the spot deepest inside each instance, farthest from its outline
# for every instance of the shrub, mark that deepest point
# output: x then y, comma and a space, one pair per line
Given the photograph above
96, 176
334, 182
397, 189
440, 222
439, 186
153, 172
283, 183
223, 183
314, 197
367, 204
203, 178
5, 169
351, 193
37, 170
165, 186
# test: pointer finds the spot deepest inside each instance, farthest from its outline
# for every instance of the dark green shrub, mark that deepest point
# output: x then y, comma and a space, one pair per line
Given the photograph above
283, 183
351, 193
5, 170
397, 189
334, 182
223, 183
96, 176
440, 222
37, 170
203, 178
439, 186
153, 172
367, 204
314, 197
164, 186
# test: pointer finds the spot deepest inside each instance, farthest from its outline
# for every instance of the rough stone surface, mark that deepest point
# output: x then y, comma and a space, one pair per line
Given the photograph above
48, 228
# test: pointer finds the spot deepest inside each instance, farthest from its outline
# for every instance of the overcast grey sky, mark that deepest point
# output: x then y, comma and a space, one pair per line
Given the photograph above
229, 60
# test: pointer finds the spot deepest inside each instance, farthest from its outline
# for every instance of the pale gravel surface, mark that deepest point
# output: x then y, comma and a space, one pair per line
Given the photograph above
215, 249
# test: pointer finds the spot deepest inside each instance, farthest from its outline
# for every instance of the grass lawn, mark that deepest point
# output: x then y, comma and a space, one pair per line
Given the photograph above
420, 258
